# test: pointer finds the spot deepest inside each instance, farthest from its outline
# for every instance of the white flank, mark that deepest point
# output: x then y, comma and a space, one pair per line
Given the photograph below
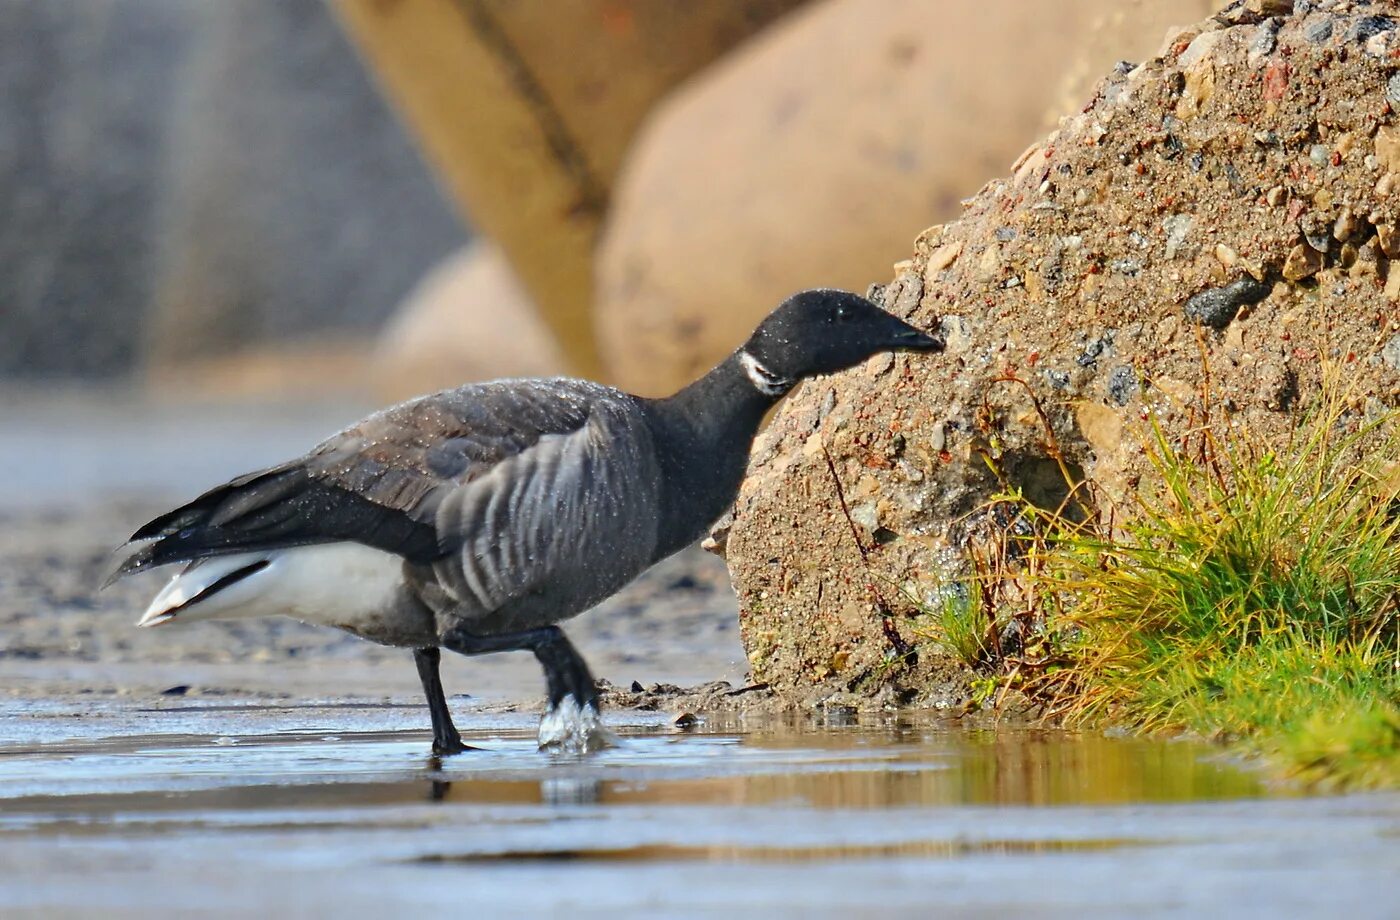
328, 584
571, 729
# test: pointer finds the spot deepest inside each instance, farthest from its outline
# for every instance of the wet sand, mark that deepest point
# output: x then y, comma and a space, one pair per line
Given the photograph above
224, 769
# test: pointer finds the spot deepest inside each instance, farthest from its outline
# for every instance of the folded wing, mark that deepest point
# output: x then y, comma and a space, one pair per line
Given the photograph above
380, 482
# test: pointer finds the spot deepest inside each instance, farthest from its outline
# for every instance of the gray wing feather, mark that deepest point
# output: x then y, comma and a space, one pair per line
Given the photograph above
562, 524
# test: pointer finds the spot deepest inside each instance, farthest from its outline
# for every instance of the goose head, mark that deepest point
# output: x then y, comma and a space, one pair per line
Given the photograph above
824, 331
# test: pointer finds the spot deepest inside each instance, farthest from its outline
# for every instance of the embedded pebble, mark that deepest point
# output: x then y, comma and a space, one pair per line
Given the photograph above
1392, 90
1093, 350
1319, 31
1303, 262
1265, 41
1217, 307
1178, 227
1345, 226
1368, 27
1122, 384
1390, 353
1389, 237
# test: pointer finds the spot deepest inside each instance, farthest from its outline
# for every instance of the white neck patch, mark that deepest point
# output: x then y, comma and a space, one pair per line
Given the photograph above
764, 380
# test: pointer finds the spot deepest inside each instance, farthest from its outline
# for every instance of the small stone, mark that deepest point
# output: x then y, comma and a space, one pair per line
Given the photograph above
1276, 196
1130, 267
879, 364
1057, 379
1303, 262
1201, 47
1264, 43
1319, 153
938, 438
1226, 256
1217, 307
685, 720
1093, 349
1392, 285
1392, 91
1178, 228
1122, 384
941, 258
1368, 27
1390, 353
866, 515
177, 690
1081, 197
1389, 239
1270, 7
1317, 232
1388, 148
1200, 85
1006, 234
1385, 185
1318, 31
1345, 226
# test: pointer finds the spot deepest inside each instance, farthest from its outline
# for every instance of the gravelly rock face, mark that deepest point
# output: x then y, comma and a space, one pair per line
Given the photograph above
1230, 205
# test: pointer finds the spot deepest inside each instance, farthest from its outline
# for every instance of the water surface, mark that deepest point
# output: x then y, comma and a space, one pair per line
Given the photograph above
331, 809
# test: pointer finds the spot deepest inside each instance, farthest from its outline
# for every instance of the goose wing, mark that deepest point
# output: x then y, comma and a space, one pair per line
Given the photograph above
382, 481
561, 524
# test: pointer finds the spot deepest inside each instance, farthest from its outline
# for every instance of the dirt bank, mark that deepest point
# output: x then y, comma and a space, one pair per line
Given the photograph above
1205, 239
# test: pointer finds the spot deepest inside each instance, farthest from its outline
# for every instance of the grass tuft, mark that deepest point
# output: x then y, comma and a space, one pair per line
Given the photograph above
1253, 598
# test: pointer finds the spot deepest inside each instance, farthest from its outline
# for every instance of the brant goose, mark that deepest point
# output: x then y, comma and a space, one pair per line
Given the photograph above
476, 519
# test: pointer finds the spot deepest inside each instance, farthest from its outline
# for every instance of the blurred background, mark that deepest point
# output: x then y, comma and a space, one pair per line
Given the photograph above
359, 200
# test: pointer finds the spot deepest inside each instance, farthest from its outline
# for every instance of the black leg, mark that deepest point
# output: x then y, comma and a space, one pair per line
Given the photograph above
445, 737
565, 672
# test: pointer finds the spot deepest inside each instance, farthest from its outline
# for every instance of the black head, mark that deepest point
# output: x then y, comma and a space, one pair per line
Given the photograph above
823, 331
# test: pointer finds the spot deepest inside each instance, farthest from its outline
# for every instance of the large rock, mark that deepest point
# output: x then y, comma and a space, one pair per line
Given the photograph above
818, 149
469, 319
297, 208
1204, 238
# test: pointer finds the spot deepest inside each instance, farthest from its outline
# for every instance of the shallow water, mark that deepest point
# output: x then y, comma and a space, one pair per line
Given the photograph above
320, 809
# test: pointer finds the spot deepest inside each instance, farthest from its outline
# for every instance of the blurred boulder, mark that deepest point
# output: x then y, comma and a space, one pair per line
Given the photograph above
526, 107
469, 319
186, 180
85, 94
815, 151
298, 208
